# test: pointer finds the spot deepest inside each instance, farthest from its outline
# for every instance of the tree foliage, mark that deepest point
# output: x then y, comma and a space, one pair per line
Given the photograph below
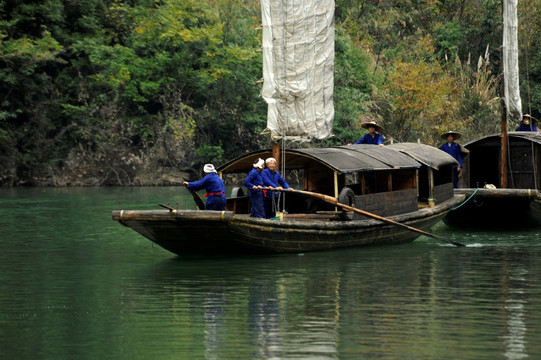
92, 88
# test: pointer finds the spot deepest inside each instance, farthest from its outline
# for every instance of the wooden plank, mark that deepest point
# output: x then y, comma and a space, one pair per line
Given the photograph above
387, 203
500, 193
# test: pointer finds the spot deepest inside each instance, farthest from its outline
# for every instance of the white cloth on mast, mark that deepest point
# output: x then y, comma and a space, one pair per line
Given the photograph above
298, 67
513, 104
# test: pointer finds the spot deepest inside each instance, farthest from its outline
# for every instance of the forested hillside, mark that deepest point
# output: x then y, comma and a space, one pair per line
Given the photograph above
97, 92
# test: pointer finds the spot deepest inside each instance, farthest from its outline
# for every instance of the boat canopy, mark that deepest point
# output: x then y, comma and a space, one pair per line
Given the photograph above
342, 159
532, 136
426, 154
524, 161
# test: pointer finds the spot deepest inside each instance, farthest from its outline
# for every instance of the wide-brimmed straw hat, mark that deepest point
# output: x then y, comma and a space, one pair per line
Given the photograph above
367, 124
258, 164
456, 135
529, 117
209, 168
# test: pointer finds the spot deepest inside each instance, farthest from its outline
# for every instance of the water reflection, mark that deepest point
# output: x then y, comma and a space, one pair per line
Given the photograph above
354, 302
514, 306
278, 306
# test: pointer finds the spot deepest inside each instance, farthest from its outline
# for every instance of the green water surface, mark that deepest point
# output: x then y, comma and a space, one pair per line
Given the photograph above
76, 285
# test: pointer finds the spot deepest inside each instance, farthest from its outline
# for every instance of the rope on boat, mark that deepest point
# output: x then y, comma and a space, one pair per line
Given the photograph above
465, 201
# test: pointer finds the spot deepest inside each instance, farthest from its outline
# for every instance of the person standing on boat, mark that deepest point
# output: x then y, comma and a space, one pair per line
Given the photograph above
373, 137
214, 186
272, 179
527, 123
453, 149
254, 183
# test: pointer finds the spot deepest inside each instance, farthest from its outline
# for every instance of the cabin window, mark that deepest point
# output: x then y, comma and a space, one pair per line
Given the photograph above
404, 179
319, 180
442, 176
384, 181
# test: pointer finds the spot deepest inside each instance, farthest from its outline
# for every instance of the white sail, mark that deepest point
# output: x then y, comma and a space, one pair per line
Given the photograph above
298, 67
513, 103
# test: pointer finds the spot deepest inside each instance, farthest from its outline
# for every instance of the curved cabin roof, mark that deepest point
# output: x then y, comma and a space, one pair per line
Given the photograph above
342, 159
425, 154
532, 136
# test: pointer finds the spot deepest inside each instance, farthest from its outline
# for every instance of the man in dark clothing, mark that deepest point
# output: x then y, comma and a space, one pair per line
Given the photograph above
373, 137
453, 149
527, 123
274, 180
214, 186
254, 183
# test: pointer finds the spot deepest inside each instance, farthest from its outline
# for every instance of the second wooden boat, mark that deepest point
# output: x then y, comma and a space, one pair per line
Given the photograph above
489, 205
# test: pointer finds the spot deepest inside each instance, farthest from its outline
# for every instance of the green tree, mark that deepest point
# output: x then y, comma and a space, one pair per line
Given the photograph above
27, 97
352, 87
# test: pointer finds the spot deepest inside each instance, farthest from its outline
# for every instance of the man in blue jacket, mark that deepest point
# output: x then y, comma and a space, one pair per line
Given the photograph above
453, 149
254, 183
373, 137
272, 179
214, 186
527, 123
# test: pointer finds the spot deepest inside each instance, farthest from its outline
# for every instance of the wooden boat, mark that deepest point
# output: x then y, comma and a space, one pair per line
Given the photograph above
491, 205
500, 175
406, 187
386, 181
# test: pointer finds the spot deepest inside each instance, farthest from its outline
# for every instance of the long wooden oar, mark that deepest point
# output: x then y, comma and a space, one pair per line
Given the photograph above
197, 198
334, 201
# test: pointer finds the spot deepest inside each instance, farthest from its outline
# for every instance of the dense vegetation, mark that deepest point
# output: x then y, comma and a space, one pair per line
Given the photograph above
132, 92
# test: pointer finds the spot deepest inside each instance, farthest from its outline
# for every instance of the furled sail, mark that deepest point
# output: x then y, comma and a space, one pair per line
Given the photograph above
513, 103
298, 67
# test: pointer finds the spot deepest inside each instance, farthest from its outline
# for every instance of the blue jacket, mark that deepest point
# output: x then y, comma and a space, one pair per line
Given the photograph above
368, 139
212, 183
523, 127
274, 179
254, 178
453, 150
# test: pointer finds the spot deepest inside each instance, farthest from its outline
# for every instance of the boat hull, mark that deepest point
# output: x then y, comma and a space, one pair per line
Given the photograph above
222, 232
497, 208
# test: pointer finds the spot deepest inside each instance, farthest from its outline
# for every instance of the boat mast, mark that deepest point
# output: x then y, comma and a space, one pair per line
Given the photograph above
503, 125
512, 106
276, 153
504, 139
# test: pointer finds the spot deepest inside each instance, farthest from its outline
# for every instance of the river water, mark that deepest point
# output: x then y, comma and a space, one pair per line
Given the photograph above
77, 285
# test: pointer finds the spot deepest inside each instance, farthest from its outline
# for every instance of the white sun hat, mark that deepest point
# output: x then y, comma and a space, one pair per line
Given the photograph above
209, 168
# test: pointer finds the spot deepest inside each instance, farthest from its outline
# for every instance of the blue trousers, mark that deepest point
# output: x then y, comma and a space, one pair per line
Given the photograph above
268, 205
455, 177
257, 210
215, 202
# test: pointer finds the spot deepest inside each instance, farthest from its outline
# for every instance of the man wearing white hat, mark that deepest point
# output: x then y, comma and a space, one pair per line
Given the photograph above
254, 183
453, 149
214, 186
